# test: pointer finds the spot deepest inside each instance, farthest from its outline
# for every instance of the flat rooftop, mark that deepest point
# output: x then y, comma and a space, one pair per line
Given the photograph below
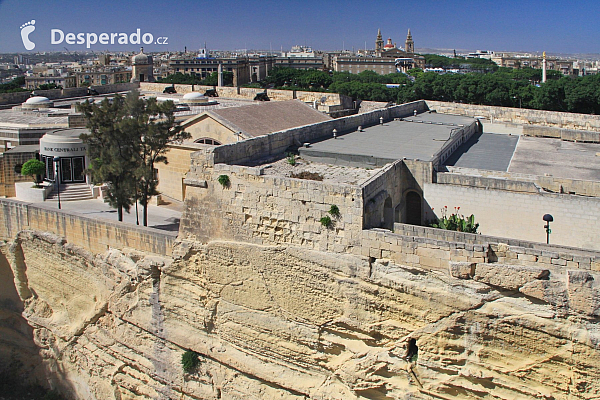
562, 159
418, 137
31, 119
511, 152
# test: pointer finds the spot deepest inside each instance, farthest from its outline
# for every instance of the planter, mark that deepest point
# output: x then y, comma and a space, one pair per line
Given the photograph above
25, 191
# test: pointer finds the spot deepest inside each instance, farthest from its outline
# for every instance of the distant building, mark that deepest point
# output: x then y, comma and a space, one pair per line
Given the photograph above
386, 59
516, 60
64, 81
142, 67
203, 67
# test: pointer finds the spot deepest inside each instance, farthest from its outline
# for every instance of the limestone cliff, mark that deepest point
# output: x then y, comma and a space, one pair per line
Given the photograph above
287, 323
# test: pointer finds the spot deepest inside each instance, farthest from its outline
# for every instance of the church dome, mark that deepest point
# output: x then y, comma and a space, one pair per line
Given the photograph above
389, 44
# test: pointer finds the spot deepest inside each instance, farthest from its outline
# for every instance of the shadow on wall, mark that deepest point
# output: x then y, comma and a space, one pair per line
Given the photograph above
22, 371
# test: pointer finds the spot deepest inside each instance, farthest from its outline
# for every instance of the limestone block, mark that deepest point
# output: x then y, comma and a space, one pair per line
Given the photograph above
462, 270
510, 277
584, 291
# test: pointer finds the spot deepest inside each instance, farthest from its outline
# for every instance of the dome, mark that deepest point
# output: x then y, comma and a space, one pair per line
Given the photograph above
389, 44
141, 58
193, 96
37, 100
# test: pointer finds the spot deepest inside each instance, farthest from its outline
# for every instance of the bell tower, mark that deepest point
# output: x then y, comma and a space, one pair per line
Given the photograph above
409, 45
379, 42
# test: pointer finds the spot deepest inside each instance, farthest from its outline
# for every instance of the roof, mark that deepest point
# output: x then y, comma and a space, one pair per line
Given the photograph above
418, 137
268, 117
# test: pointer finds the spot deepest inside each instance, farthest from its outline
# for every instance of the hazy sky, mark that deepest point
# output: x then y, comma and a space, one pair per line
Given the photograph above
525, 25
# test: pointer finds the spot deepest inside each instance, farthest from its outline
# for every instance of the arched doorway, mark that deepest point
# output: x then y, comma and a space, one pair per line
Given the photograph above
413, 208
388, 214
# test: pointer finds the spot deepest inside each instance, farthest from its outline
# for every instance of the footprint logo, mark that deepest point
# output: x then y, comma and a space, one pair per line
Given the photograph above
26, 29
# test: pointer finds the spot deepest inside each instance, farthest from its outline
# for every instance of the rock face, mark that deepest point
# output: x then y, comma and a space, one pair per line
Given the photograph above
287, 323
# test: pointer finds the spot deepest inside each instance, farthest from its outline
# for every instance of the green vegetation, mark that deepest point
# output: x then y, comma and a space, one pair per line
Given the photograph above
48, 86
190, 361
14, 86
128, 137
455, 222
188, 79
291, 159
334, 211
491, 85
224, 181
34, 168
326, 221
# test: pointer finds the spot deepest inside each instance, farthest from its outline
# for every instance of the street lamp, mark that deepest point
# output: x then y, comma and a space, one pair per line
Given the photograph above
57, 178
548, 218
520, 102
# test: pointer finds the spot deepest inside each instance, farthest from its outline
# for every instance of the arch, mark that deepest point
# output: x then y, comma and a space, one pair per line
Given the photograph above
207, 140
413, 208
388, 214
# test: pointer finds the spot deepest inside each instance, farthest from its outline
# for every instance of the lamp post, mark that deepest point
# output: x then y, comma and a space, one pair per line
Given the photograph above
520, 102
57, 178
548, 218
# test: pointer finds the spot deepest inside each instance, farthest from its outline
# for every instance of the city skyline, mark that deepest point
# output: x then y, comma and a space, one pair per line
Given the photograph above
532, 26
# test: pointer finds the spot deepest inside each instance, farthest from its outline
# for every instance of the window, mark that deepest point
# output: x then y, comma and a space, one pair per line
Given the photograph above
208, 141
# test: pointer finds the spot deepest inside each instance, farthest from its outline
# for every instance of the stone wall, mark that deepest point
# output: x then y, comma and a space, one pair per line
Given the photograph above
265, 209
575, 121
519, 215
95, 235
55, 94
517, 182
231, 92
8, 163
571, 135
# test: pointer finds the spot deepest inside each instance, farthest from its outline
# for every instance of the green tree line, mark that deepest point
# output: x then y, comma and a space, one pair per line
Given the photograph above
13, 86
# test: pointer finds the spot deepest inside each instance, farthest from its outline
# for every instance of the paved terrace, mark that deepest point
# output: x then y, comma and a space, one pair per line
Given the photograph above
418, 137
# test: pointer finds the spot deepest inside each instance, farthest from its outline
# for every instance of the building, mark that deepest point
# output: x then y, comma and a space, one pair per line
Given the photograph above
385, 59
204, 66
96, 76
142, 67
230, 125
519, 60
63, 80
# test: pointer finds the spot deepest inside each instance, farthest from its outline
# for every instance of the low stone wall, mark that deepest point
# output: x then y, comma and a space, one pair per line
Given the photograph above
424, 247
571, 135
249, 93
556, 119
95, 235
517, 182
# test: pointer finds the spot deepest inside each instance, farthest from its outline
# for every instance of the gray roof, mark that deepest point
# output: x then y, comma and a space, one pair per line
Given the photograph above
418, 137
490, 151
268, 117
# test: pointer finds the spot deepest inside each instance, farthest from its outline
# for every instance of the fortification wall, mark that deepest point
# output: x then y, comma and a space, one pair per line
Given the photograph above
517, 182
519, 215
555, 119
93, 234
265, 209
55, 94
572, 135
231, 92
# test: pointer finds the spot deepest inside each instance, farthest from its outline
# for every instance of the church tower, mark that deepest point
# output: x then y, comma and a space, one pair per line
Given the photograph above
379, 42
409, 45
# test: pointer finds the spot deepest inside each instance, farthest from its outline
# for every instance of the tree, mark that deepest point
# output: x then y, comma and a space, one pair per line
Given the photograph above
111, 151
34, 168
154, 128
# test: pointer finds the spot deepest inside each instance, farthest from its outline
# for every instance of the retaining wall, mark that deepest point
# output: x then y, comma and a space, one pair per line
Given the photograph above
95, 235
584, 122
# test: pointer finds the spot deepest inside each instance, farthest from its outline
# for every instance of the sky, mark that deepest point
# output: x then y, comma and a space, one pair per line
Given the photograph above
498, 25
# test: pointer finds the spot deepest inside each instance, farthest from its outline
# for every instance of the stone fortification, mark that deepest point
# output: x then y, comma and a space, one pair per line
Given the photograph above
554, 119
54, 94
291, 323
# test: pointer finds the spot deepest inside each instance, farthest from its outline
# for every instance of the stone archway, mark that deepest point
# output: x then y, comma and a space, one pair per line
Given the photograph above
413, 208
388, 214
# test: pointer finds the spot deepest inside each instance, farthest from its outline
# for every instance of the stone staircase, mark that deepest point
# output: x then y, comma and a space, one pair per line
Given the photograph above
71, 192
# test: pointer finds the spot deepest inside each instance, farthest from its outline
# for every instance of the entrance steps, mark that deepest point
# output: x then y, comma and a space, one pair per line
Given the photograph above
71, 192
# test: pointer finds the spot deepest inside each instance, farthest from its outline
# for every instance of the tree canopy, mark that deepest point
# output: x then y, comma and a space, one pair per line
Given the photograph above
128, 136
34, 168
